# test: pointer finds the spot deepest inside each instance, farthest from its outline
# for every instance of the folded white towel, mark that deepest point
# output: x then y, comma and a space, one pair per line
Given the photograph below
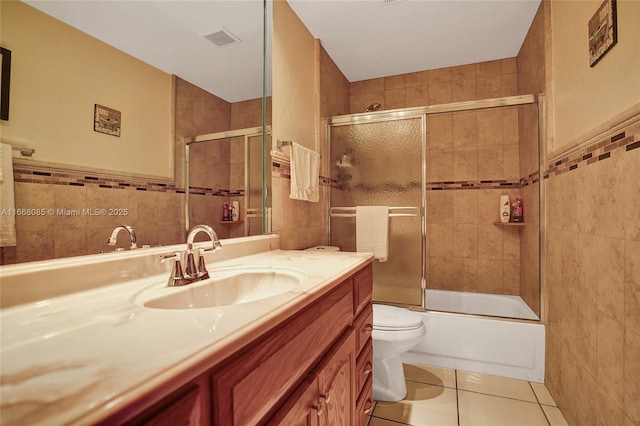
7, 200
305, 170
372, 231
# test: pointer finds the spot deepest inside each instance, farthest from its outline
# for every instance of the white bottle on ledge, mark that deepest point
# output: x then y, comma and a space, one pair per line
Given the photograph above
505, 209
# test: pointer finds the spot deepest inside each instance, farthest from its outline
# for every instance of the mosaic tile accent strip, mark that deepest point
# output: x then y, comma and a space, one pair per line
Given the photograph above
36, 173
626, 140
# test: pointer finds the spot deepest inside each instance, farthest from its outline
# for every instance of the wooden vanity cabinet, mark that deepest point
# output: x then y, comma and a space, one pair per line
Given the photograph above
313, 369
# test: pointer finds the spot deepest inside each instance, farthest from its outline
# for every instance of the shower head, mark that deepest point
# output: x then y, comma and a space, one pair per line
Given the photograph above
373, 107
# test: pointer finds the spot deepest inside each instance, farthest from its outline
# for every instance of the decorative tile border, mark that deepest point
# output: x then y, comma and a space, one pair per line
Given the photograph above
601, 149
34, 173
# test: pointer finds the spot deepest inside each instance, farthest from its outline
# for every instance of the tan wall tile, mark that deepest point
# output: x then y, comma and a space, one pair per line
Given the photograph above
631, 372
585, 349
417, 96
419, 78
70, 199
439, 131
439, 93
610, 356
511, 277
611, 277
489, 276
489, 86
395, 82
395, 98
30, 197
70, 242
465, 129
465, 241
35, 245
440, 240
490, 127
440, 208
632, 195
490, 242
465, 207
491, 162
439, 76
632, 285
463, 72
463, 90
440, 165
465, 164
610, 197
489, 68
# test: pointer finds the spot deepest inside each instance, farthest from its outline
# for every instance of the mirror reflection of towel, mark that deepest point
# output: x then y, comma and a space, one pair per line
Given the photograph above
305, 170
7, 199
372, 231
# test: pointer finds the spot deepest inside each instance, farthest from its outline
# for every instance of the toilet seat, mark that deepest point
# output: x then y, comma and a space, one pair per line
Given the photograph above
390, 318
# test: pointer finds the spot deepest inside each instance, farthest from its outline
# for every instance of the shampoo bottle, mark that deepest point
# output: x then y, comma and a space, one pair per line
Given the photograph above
517, 210
235, 211
225, 212
505, 208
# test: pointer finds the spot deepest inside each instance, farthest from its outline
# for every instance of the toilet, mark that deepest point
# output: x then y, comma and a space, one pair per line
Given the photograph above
395, 331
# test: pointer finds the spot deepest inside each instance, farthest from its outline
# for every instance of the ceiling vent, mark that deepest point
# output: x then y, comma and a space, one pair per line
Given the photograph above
221, 37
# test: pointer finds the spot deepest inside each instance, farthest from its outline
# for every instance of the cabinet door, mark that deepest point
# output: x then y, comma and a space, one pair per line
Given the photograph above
303, 408
337, 384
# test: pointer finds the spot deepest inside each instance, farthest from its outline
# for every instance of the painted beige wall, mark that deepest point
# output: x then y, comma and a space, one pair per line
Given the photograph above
294, 78
59, 73
585, 97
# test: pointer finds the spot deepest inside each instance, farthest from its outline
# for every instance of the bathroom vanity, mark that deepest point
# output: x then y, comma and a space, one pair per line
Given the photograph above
103, 356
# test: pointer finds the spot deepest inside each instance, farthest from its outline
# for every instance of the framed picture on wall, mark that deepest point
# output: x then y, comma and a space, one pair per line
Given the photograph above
5, 83
107, 120
603, 31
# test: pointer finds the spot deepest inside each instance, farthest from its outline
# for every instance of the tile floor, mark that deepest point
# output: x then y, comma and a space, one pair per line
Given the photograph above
445, 397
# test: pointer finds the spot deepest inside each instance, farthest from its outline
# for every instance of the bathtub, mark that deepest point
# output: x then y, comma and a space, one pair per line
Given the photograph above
487, 345
496, 305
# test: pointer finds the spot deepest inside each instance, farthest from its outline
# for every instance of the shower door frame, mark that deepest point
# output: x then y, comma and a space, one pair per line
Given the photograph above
422, 113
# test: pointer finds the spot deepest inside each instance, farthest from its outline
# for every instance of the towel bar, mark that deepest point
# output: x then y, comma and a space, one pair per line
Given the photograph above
393, 212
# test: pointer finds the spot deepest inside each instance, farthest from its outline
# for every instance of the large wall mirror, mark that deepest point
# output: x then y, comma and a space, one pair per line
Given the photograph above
105, 95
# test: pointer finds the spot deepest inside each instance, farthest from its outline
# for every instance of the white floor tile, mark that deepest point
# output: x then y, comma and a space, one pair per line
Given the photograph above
430, 374
543, 395
554, 416
494, 385
478, 409
425, 405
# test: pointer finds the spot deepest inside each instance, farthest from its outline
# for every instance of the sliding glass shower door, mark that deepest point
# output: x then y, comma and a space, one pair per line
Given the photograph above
381, 163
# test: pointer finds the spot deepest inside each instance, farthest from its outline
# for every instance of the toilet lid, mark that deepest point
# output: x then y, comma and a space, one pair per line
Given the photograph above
392, 318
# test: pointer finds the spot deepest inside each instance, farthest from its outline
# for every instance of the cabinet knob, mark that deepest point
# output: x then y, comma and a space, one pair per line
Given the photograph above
367, 406
326, 397
367, 368
368, 327
319, 408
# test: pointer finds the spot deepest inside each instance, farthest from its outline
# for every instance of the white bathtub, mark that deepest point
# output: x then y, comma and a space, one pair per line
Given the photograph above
494, 346
496, 305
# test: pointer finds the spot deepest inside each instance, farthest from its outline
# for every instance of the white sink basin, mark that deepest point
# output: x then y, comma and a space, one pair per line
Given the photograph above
229, 286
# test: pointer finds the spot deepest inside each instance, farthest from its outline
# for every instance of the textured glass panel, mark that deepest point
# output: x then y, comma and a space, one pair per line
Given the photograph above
380, 164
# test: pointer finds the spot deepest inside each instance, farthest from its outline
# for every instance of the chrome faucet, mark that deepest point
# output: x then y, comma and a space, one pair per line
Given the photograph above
192, 273
129, 230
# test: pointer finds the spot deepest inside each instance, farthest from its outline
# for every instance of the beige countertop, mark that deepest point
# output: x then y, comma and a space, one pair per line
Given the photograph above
80, 357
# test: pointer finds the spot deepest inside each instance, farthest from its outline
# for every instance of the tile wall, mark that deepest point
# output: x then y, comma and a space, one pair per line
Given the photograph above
593, 280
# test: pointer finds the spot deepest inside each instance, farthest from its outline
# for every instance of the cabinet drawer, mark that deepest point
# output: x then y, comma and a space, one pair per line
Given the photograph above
365, 403
364, 367
364, 327
250, 388
363, 288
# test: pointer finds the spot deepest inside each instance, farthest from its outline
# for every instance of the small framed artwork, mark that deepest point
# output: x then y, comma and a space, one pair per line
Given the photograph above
603, 31
5, 82
107, 120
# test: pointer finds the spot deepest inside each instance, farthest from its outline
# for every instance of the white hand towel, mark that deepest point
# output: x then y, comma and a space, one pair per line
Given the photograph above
7, 200
372, 231
305, 170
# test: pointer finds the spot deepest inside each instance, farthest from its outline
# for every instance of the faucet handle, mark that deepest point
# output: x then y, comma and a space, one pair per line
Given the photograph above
177, 276
203, 273
191, 270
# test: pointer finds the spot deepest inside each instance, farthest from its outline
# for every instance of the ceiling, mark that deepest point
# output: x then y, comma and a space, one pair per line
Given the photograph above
366, 38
